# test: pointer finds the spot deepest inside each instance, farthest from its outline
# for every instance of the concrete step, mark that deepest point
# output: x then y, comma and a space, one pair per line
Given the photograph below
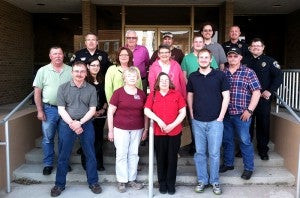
36, 156
186, 175
108, 145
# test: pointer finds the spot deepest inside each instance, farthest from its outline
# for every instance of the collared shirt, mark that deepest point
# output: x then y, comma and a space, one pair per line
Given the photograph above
207, 94
190, 63
48, 80
267, 70
76, 100
176, 54
239, 44
242, 83
217, 51
141, 59
167, 109
84, 55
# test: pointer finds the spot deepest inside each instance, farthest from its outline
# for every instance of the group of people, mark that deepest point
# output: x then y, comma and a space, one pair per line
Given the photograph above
222, 90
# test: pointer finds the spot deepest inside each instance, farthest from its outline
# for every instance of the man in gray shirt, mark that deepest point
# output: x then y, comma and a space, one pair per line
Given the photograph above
76, 101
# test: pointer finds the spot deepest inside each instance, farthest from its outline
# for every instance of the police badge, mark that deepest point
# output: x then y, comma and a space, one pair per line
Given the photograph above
240, 45
100, 58
276, 64
263, 64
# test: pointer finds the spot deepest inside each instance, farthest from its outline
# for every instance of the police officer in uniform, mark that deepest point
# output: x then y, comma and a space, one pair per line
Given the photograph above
91, 50
234, 41
270, 77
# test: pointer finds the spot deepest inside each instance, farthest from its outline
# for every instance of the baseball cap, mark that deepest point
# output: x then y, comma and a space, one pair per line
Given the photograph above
234, 50
169, 34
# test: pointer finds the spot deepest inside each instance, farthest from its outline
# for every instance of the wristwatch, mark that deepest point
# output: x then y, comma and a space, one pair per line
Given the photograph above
250, 111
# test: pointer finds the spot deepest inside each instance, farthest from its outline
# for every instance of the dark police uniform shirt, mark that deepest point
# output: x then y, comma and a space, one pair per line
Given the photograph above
267, 70
240, 44
84, 55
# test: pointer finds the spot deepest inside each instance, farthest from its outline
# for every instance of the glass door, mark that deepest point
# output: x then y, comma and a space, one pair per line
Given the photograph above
151, 37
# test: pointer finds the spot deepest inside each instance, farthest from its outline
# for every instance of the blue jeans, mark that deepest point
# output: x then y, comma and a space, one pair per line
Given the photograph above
208, 137
49, 128
66, 141
234, 125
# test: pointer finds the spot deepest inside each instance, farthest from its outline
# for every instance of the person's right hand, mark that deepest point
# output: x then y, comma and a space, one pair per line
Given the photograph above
41, 116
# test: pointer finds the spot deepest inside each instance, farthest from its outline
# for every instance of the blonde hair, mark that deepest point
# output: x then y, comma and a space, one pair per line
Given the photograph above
131, 70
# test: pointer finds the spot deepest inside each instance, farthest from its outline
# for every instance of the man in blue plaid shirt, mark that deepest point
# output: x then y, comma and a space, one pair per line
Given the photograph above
244, 96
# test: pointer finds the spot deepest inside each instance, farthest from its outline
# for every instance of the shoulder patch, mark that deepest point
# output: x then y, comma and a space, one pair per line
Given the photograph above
276, 64
73, 58
240, 45
100, 58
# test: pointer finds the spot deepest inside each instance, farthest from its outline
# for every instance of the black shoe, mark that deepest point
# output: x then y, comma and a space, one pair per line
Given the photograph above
171, 190
225, 168
246, 175
238, 154
96, 188
264, 157
192, 150
47, 170
69, 168
56, 191
163, 189
100, 168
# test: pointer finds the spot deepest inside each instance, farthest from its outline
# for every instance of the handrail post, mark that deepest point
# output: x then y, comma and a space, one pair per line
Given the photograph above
7, 158
151, 157
298, 174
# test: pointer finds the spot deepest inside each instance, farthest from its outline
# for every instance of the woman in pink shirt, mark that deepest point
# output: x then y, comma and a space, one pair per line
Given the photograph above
166, 64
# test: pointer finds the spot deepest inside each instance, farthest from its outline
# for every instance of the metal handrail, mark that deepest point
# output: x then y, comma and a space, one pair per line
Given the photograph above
287, 107
6, 143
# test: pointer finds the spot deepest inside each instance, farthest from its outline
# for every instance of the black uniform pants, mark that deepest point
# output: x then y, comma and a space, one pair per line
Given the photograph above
166, 150
261, 118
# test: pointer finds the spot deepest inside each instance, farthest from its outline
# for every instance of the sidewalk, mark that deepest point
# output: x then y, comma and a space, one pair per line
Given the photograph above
78, 190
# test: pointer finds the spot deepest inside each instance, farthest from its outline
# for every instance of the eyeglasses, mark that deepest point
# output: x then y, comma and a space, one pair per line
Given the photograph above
232, 56
164, 81
164, 52
256, 45
95, 65
207, 30
123, 55
132, 38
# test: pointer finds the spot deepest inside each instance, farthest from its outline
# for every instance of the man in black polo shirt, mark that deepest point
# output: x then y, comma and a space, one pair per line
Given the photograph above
91, 50
208, 99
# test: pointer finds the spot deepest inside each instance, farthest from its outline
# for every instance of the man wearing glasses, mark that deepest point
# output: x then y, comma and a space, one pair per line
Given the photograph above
244, 96
207, 31
140, 56
270, 77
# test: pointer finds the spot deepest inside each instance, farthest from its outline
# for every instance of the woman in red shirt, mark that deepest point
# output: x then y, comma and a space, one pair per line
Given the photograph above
167, 108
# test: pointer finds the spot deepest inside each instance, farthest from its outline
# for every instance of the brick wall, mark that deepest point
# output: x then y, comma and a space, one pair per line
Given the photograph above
16, 53
292, 46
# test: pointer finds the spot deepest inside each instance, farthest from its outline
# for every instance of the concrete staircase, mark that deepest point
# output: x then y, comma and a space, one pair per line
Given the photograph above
270, 172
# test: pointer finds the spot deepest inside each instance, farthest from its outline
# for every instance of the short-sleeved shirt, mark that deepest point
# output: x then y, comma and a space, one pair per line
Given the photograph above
218, 52
48, 80
77, 101
242, 83
129, 114
84, 55
167, 109
207, 94
190, 63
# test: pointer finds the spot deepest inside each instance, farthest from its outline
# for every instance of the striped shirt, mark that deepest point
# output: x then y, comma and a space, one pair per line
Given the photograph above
242, 83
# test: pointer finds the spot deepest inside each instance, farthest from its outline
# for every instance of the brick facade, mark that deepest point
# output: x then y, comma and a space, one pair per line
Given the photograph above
16, 53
